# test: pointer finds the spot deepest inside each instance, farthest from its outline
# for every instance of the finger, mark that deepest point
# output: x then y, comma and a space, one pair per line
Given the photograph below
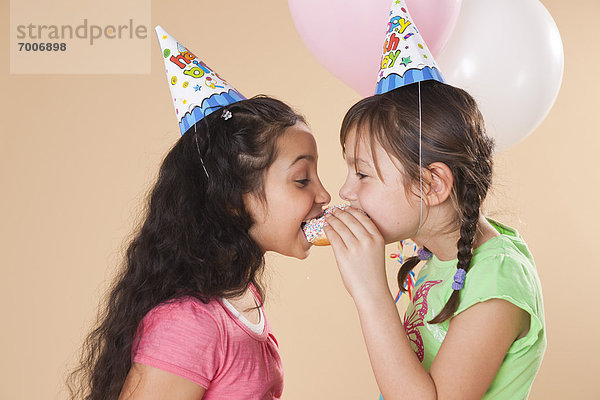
355, 225
334, 238
341, 229
364, 219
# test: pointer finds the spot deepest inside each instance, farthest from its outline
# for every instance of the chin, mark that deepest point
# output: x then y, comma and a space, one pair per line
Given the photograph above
388, 239
299, 254
389, 236
303, 250
299, 250
303, 255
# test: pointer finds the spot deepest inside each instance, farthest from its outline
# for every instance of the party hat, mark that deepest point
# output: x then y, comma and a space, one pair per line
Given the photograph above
195, 88
406, 58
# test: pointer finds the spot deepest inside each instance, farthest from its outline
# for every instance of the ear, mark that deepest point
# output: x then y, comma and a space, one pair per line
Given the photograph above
439, 183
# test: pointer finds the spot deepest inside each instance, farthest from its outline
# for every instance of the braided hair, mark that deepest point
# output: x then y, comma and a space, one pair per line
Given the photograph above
453, 132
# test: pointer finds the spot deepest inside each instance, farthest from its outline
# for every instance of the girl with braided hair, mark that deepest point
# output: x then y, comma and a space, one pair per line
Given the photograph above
475, 326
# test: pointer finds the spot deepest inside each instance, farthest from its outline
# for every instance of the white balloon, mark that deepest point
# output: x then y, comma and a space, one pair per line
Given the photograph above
508, 54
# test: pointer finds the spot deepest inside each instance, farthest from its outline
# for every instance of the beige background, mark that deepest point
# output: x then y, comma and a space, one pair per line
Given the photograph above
129, 52
74, 174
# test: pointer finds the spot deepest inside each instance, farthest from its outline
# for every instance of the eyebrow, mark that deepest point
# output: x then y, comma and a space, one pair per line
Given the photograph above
307, 157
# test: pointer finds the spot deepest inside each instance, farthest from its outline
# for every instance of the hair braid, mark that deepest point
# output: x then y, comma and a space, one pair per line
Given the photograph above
405, 269
469, 201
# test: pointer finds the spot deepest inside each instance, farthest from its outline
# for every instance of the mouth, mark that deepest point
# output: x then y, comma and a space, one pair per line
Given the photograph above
303, 224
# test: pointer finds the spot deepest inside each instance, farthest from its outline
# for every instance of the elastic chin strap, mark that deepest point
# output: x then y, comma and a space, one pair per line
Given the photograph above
199, 154
420, 167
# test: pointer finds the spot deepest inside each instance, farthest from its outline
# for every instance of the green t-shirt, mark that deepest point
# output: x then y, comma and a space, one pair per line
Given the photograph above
501, 268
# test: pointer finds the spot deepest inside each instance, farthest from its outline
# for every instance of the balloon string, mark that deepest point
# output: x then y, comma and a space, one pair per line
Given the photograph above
420, 165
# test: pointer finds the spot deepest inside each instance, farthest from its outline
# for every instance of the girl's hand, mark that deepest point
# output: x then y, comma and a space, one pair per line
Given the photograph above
359, 251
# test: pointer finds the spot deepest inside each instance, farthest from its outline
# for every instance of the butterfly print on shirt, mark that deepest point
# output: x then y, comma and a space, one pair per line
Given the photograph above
413, 321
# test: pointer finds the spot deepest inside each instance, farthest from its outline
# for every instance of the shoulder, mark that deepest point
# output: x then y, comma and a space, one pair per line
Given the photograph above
183, 320
509, 246
185, 308
504, 265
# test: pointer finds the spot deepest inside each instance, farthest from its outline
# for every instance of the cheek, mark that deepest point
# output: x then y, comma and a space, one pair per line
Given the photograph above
372, 200
389, 210
291, 213
380, 217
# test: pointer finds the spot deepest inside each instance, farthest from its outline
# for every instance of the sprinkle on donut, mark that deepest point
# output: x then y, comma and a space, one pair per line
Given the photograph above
313, 229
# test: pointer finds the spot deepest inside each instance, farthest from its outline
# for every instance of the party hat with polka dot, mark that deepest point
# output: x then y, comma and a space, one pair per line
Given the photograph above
406, 58
196, 89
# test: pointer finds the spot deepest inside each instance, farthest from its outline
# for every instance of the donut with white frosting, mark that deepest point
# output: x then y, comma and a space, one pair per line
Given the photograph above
313, 229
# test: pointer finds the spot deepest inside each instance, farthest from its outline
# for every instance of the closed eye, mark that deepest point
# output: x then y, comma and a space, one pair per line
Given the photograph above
361, 175
302, 182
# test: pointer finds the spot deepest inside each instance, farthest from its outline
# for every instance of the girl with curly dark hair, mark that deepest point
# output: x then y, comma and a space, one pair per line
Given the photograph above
184, 317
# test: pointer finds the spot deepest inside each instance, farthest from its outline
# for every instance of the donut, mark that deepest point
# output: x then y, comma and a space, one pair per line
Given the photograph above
313, 229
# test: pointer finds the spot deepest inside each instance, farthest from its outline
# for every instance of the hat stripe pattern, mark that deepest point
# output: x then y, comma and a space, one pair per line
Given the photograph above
209, 105
411, 76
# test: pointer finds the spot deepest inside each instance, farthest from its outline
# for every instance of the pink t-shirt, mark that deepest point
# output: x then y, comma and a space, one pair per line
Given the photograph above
207, 344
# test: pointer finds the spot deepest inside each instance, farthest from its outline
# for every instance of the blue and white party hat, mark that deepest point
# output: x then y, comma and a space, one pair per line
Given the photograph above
195, 88
406, 58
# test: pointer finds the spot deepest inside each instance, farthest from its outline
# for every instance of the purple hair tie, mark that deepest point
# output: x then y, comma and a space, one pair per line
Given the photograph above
424, 254
459, 279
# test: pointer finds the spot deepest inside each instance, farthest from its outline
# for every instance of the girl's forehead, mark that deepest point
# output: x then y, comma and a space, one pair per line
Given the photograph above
368, 151
296, 142
360, 148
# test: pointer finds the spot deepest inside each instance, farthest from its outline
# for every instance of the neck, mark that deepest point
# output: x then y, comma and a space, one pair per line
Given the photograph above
442, 243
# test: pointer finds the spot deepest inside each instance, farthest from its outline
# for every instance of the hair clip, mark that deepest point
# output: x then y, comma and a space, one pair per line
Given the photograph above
459, 279
424, 254
226, 115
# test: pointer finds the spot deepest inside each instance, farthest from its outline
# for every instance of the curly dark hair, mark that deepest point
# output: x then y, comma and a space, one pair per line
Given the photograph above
194, 239
453, 132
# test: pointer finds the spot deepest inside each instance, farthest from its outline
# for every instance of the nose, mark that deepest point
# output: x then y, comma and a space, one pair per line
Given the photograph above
322, 197
346, 192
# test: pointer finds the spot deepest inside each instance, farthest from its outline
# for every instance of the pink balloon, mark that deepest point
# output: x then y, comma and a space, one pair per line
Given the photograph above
347, 36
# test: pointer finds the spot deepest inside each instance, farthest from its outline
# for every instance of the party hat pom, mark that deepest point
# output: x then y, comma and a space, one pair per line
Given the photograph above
406, 58
196, 89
